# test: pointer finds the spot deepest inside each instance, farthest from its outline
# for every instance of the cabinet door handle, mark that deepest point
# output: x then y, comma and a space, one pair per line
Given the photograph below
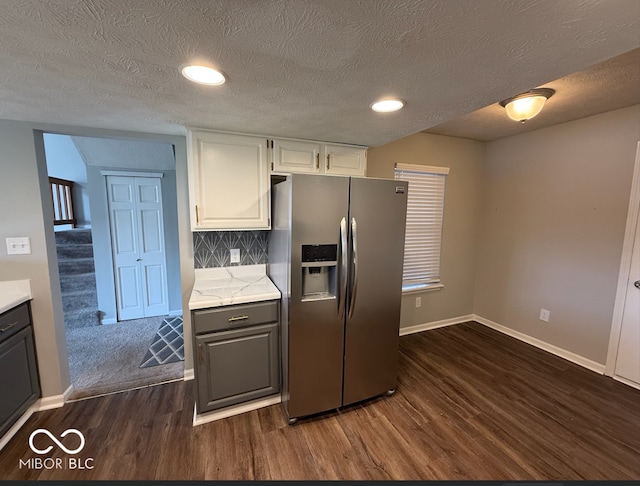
197, 219
8, 326
238, 318
318, 160
328, 158
200, 358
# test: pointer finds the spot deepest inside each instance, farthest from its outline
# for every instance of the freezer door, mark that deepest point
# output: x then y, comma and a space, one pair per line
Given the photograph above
315, 329
377, 219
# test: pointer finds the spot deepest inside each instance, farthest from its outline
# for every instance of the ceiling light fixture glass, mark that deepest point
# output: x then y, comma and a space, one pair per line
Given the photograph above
525, 106
202, 74
385, 106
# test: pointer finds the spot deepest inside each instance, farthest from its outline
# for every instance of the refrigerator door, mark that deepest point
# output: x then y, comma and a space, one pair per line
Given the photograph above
315, 329
377, 220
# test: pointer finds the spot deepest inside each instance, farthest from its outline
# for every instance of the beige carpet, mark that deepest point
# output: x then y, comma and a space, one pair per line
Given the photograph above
106, 359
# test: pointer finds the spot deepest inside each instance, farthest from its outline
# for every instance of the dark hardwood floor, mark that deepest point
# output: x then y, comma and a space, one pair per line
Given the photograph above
471, 404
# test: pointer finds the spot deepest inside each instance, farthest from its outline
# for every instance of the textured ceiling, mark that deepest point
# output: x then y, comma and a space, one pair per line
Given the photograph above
297, 68
606, 86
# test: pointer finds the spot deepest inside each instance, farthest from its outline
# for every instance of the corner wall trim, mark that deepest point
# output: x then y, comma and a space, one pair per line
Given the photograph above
189, 374
435, 324
55, 401
562, 353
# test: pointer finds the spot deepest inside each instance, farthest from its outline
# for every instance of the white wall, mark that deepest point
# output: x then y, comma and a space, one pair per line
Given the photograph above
64, 162
554, 211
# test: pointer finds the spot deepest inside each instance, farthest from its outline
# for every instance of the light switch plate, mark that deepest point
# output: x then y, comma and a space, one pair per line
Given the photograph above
18, 246
235, 255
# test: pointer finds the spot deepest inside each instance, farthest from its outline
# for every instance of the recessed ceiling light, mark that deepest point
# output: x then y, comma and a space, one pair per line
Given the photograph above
202, 74
387, 105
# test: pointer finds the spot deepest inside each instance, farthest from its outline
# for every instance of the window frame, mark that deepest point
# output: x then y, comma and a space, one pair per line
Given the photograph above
432, 192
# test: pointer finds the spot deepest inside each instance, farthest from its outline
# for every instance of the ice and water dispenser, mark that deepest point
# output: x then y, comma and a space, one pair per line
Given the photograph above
319, 271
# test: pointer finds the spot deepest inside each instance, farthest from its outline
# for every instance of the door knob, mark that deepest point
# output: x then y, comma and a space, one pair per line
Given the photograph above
637, 284
139, 260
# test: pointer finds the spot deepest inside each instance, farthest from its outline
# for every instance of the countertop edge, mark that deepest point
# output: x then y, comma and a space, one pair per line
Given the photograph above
13, 293
233, 301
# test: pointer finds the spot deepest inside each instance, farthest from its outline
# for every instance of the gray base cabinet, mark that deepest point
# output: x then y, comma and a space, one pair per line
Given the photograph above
237, 354
19, 381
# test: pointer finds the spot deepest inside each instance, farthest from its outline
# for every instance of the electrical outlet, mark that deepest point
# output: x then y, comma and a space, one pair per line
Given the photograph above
235, 255
18, 246
545, 315
418, 301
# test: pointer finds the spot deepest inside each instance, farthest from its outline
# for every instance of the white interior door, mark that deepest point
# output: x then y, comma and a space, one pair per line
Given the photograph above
623, 357
137, 236
628, 357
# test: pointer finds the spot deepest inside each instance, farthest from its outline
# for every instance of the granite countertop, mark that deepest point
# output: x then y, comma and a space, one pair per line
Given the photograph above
215, 287
14, 293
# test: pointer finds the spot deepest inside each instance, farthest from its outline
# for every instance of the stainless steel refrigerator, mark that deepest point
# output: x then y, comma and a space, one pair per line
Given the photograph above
336, 252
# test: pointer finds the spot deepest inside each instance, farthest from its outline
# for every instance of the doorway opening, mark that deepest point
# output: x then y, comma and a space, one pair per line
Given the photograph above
114, 259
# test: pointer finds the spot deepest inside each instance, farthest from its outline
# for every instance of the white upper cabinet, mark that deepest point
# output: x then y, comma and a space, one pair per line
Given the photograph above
345, 160
310, 157
228, 181
296, 156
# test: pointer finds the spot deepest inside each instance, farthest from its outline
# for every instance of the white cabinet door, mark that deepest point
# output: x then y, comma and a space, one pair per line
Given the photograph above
296, 156
345, 160
228, 181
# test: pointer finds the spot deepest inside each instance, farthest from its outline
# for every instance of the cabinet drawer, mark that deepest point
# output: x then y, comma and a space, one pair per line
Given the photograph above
234, 316
13, 320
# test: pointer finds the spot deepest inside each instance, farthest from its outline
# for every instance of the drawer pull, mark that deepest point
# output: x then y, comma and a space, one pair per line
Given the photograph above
238, 318
8, 326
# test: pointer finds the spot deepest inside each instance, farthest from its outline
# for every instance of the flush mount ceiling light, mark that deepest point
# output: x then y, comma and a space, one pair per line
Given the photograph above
524, 106
202, 74
385, 106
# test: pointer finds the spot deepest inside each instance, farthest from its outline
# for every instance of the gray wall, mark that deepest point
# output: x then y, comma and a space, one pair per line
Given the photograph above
461, 219
24, 189
24, 192
555, 205
531, 221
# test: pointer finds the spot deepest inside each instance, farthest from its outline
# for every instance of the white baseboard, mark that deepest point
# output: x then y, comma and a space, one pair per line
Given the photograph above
175, 313
436, 324
203, 418
562, 353
111, 320
4, 440
626, 382
189, 374
55, 401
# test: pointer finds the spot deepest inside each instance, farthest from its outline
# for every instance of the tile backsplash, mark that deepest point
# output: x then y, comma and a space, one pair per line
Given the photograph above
211, 248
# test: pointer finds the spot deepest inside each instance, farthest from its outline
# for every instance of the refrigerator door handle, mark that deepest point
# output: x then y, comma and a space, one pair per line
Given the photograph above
342, 297
354, 253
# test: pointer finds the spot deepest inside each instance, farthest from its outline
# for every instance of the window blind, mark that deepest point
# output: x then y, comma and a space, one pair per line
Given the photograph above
425, 210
